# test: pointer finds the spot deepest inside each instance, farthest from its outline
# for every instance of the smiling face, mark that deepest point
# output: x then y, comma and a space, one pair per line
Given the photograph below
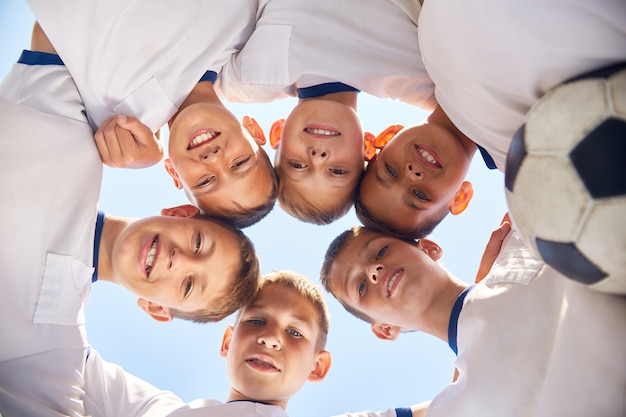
386, 279
180, 263
217, 161
320, 156
272, 351
415, 178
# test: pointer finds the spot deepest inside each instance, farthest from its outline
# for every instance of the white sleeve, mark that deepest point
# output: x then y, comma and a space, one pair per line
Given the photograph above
390, 412
110, 391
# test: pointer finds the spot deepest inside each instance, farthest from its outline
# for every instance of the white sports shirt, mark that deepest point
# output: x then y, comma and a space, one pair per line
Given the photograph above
142, 57
369, 45
491, 60
50, 184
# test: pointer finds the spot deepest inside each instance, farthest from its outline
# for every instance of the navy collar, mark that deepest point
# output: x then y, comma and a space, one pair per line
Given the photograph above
209, 76
323, 89
96, 244
454, 318
487, 158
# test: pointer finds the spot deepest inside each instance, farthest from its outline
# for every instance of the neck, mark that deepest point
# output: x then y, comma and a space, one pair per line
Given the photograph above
437, 316
235, 395
347, 98
440, 118
203, 92
111, 230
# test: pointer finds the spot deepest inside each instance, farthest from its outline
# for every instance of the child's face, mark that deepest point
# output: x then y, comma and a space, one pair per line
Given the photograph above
217, 161
272, 350
177, 262
386, 278
321, 152
415, 177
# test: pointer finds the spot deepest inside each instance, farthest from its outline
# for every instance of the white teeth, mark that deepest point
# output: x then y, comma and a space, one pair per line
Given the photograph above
391, 281
427, 156
151, 254
322, 132
202, 137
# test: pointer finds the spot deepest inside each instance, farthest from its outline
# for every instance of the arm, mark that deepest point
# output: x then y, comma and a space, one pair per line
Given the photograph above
40, 42
492, 250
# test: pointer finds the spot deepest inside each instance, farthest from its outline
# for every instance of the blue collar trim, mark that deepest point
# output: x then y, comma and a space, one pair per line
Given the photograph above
487, 158
39, 58
323, 89
454, 318
209, 76
403, 412
96, 244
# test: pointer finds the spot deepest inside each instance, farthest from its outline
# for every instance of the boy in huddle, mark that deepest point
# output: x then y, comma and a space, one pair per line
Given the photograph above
326, 52
575, 365
133, 85
484, 100
276, 344
179, 264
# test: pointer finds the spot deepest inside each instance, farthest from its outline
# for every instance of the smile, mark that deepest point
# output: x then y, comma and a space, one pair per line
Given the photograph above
392, 281
202, 138
321, 132
427, 157
151, 255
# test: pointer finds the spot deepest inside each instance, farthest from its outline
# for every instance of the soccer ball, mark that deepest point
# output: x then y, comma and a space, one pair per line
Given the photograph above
565, 179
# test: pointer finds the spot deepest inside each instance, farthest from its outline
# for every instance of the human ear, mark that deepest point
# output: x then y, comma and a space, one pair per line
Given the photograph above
156, 311
170, 170
186, 210
226, 339
322, 365
385, 331
432, 249
462, 198
255, 130
276, 132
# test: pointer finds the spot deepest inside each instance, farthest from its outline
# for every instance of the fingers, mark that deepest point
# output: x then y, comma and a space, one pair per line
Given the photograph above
492, 250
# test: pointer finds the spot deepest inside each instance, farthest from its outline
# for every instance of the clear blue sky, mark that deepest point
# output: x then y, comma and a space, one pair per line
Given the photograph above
366, 374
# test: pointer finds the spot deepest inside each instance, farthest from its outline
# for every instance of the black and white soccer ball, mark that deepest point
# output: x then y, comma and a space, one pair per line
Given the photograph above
565, 179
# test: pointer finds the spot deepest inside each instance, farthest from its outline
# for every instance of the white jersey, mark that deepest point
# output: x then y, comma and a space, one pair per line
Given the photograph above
533, 343
50, 184
369, 45
113, 392
142, 57
491, 60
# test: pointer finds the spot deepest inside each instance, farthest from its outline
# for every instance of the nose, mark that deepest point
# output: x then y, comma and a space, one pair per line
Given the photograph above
374, 272
177, 259
413, 172
317, 154
270, 341
210, 153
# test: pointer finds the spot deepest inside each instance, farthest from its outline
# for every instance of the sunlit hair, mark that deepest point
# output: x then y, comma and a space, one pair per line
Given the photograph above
426, 228
298, 206
245, 281
248, 217
307, 290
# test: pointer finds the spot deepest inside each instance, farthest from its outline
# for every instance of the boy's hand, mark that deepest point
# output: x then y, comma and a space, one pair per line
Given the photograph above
492, 250
125, 142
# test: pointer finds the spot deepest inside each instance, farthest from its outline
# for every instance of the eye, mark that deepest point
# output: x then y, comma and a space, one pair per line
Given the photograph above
382, 252
188, 284
420, 195
206, 181
198, 243
361, 288
391, 171
238, 163
297, 165
338, 171
256, 322
294, 333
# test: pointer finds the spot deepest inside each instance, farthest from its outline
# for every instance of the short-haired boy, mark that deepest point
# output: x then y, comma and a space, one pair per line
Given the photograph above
121, 69
178, 264
325, 52
484, 90
528, 341
275, 345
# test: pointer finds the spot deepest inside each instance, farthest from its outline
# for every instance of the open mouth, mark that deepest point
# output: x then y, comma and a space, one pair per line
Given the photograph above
151, 255
391, 282
202, 138
321, 133
262, 365
428, 156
